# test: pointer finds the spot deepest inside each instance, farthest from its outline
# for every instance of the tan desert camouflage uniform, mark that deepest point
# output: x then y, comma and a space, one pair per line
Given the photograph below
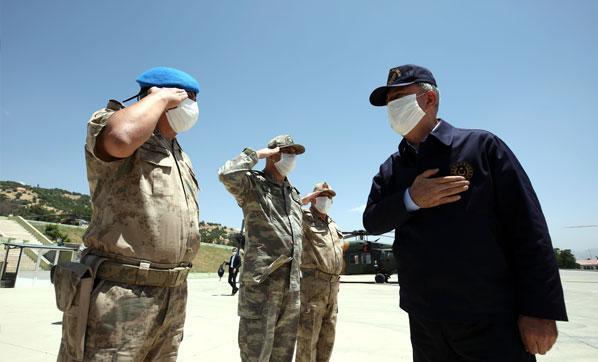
322, 263
269, 292
144, 210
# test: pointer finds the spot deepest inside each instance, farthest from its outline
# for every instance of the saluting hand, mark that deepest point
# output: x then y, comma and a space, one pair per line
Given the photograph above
429, 192
538, 335
267, 152
309, 197
172, 96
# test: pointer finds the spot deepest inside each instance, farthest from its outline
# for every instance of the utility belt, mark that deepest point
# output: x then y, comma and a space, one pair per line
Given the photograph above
142, 274
314, 273
132, 261
127, 270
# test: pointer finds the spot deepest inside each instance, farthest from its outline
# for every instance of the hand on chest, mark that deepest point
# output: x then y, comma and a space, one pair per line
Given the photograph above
469, 164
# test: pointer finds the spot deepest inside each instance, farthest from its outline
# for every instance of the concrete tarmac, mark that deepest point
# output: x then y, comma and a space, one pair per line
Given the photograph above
371, 327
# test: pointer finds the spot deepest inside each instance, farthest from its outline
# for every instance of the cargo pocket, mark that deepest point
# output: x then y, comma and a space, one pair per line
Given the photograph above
320, 235
263, 194
307, 320
73, 283
253, 299
156, 167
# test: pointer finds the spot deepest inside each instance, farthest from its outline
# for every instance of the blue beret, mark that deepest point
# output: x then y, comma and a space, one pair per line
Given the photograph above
168, 77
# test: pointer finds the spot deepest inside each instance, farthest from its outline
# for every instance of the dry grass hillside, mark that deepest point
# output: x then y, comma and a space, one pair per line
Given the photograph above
49, 209
43, 204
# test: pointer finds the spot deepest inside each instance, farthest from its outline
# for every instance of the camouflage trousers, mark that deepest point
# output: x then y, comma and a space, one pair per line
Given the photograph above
269, 315
317, 321
133, 323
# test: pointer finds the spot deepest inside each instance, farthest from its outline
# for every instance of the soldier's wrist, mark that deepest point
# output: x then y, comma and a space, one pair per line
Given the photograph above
251, 153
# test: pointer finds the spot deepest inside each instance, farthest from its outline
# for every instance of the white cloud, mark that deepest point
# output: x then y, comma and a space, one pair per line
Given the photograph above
359, 208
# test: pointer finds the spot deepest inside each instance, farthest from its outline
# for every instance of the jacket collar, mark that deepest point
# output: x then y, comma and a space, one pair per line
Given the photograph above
443, 133
272, 180
314, 214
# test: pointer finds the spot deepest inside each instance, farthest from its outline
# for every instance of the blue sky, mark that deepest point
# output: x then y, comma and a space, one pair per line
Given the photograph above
525, 70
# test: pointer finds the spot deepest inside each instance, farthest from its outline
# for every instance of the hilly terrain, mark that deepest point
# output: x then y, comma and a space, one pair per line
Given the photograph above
44, 205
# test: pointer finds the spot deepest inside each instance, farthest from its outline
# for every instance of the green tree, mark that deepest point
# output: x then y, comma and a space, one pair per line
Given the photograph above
54, 233
565, 259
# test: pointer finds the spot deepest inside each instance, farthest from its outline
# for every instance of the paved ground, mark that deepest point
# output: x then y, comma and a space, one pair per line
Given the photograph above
370, 324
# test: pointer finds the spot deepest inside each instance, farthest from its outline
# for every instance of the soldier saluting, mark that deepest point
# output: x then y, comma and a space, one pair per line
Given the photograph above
321, 266
144, 226
269, 291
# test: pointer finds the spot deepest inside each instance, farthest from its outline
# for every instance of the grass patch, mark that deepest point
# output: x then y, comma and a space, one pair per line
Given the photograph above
74, 233
209, 258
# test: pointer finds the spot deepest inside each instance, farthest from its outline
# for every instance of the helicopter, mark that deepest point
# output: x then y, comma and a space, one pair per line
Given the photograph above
363, 256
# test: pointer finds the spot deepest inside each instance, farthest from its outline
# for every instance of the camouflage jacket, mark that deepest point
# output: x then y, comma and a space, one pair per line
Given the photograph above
144, 207
272, 215
322, 244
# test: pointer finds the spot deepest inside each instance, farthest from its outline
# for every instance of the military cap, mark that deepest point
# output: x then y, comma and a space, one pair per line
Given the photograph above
401, 76
286, 142
324, 189
168, 77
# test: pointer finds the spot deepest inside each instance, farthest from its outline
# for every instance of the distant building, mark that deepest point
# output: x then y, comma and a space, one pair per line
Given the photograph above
73, 221
588, 264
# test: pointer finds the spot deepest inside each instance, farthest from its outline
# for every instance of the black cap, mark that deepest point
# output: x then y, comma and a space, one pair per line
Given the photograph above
401, 76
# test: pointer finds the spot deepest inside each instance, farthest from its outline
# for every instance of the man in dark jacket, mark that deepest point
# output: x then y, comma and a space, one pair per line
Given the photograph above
478, 275
234, 263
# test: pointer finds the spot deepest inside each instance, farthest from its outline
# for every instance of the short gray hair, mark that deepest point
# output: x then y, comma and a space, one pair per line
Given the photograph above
429, 87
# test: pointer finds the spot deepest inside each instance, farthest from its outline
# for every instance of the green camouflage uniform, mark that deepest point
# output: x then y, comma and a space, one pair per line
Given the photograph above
144, 208
269, 292
322, 263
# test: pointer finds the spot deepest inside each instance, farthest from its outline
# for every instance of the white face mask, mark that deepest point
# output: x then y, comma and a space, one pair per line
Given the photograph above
286, 164
404, 114
323, 204
184, 116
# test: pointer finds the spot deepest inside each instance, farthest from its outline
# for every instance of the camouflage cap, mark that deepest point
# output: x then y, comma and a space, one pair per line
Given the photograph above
324, 188
286, 142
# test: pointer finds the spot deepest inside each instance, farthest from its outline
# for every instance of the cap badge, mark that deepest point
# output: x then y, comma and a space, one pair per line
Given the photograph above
395, 73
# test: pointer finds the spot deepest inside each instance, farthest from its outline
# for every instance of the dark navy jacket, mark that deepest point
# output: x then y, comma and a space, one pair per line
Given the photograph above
485, 257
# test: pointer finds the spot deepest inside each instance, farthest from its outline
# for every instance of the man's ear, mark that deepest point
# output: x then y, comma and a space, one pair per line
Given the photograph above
431, 100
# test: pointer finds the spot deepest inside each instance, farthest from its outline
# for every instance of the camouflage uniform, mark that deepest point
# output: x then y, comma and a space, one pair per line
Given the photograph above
322, 263
144, 209
269, 291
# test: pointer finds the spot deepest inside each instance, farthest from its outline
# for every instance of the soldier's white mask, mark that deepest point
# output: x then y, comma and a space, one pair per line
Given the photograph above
323, 204
404, 114
184, 116
286, 164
